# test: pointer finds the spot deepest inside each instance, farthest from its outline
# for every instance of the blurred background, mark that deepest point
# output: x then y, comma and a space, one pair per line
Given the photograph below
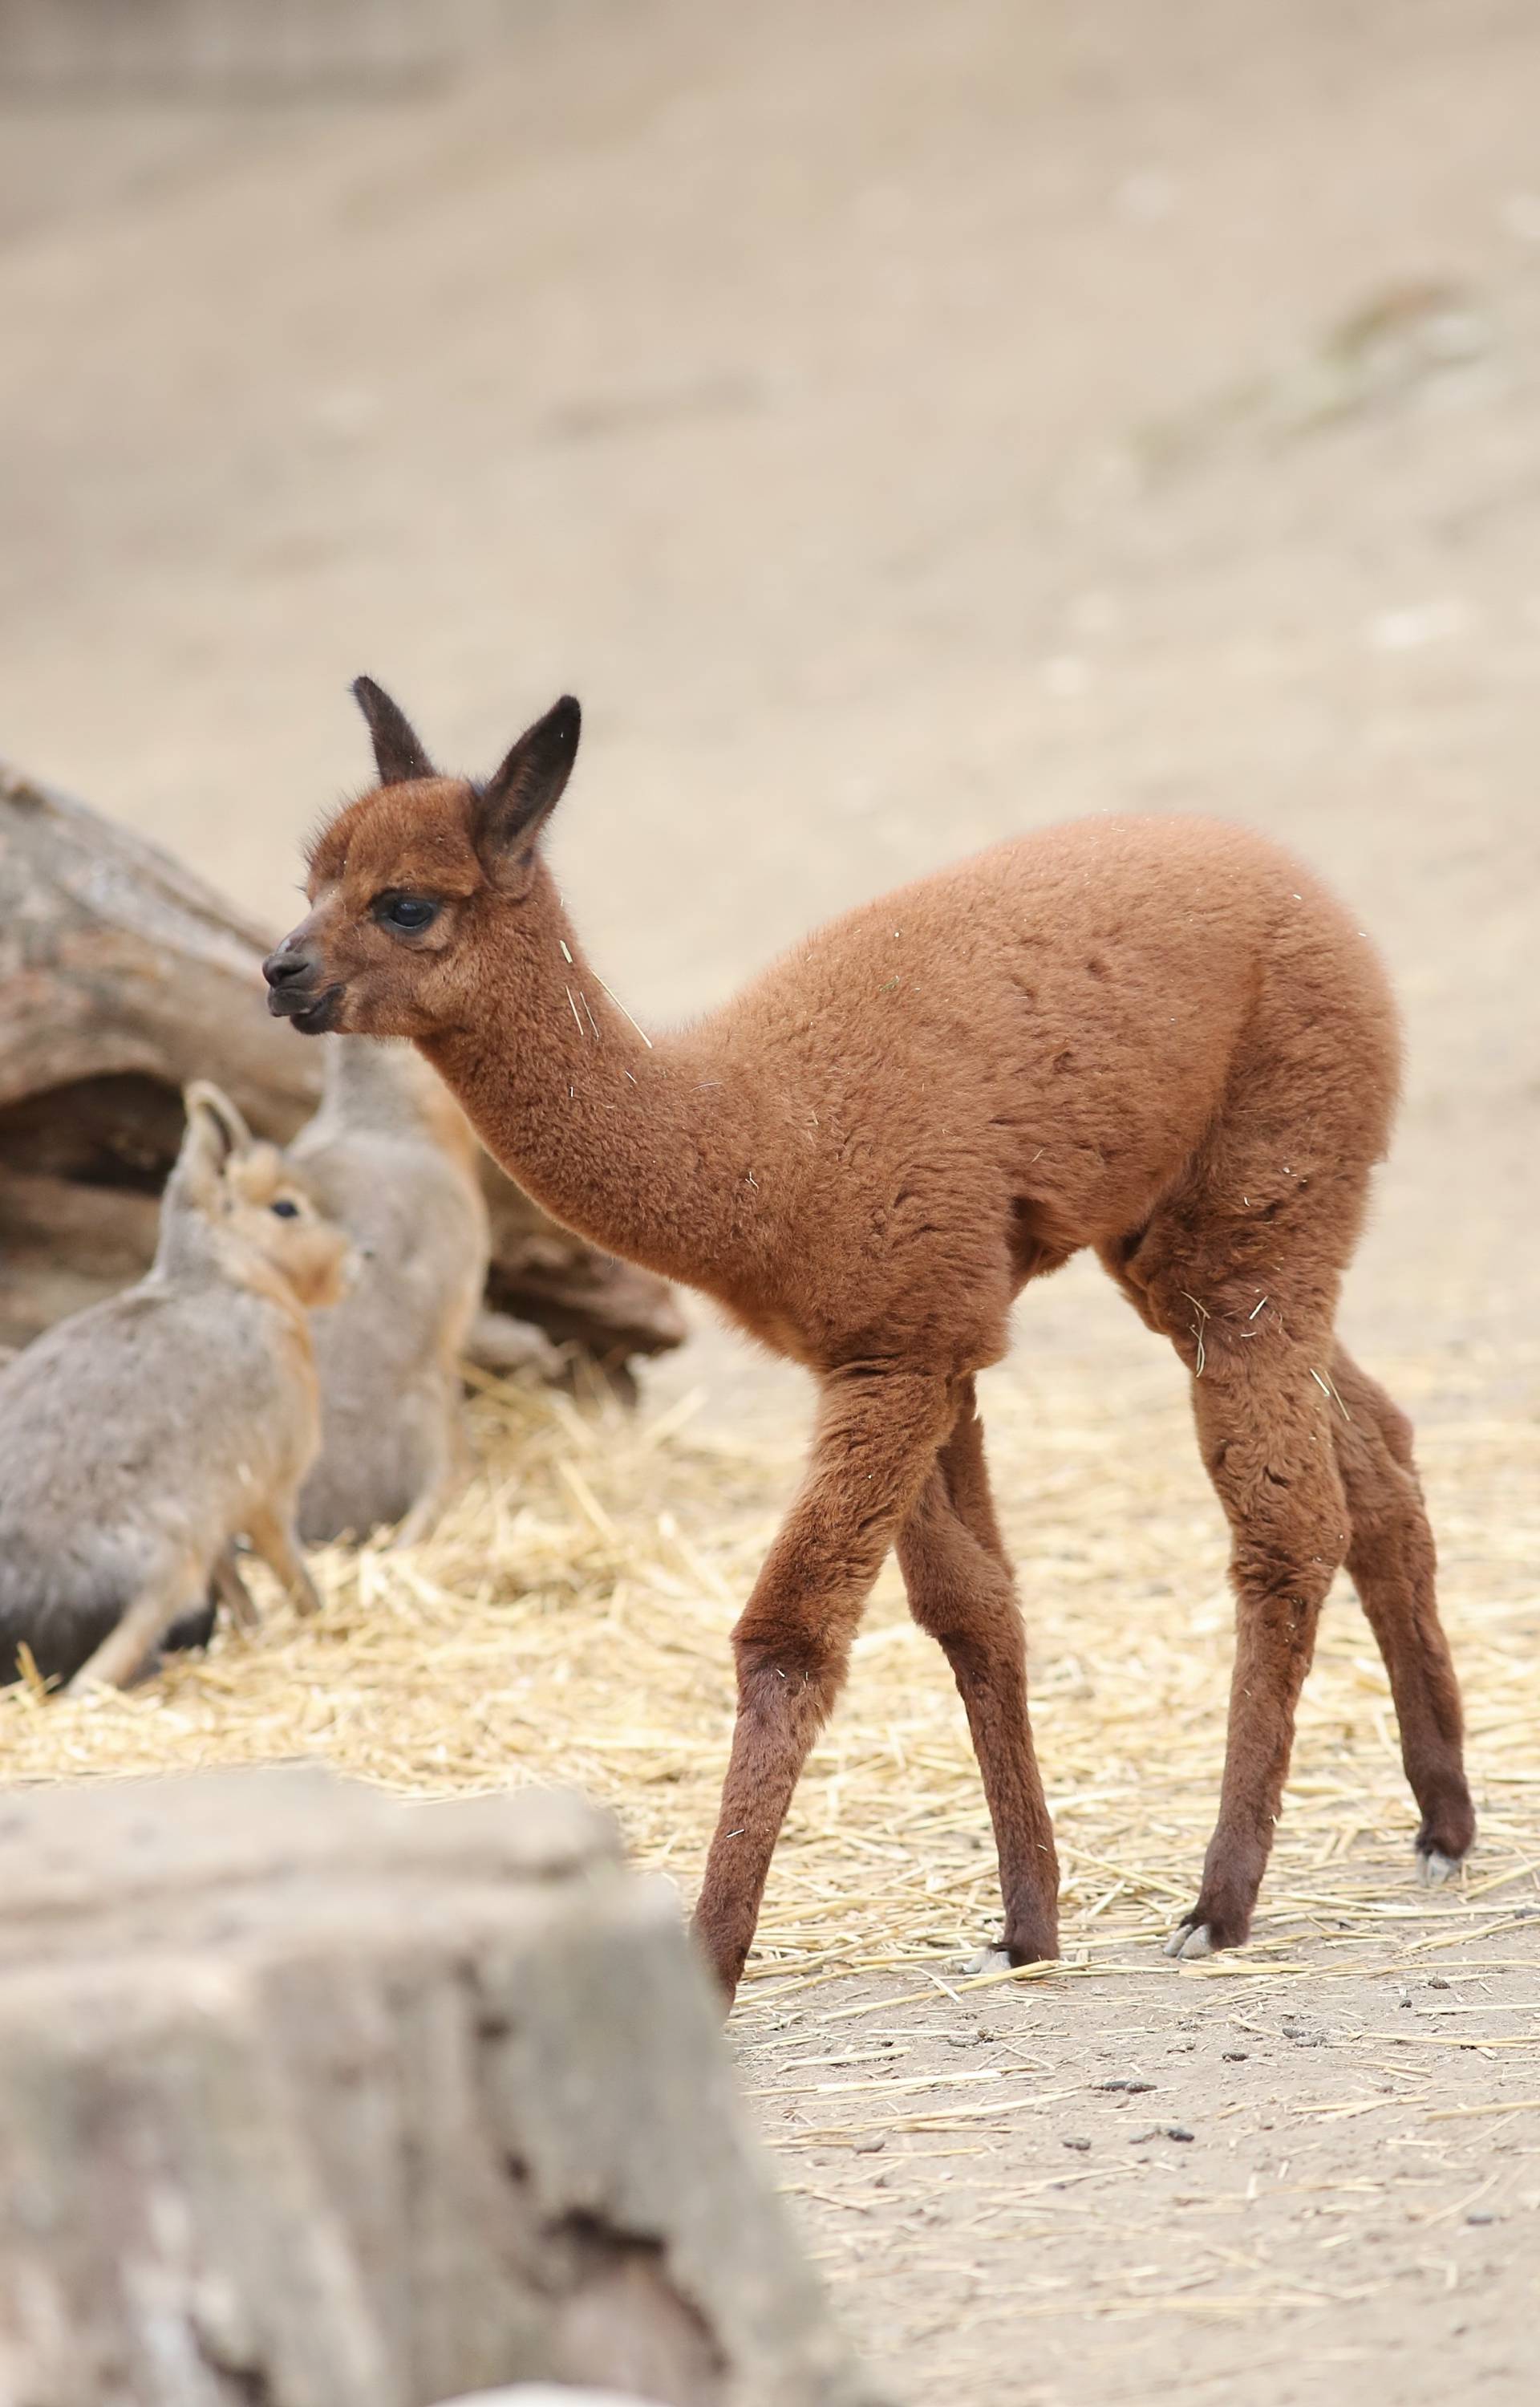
902, 424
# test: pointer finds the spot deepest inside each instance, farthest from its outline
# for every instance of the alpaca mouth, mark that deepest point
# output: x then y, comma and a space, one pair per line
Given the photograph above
314, 1015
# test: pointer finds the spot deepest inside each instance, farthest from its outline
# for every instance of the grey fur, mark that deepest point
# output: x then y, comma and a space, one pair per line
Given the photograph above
139, 1439
391, 1156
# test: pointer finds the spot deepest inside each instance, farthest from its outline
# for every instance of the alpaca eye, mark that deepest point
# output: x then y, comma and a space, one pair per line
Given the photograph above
284, 1210
407, 911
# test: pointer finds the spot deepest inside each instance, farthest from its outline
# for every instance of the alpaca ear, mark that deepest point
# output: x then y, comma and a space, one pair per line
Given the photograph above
517, 799
398, 753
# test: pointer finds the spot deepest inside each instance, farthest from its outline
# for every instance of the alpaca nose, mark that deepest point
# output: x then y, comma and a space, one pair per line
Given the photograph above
285, 965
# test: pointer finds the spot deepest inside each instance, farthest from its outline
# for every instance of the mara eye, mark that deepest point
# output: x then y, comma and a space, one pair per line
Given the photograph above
409, 912
284, 1209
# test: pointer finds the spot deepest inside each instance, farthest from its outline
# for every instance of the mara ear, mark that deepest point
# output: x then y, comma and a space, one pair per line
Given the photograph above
215, 1134
213, 1118
519, 797
398, 755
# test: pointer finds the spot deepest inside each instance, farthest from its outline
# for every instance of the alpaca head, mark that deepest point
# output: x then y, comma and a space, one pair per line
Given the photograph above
411, 885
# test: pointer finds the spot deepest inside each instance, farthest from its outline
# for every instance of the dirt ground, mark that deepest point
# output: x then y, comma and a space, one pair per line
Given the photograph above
903, 427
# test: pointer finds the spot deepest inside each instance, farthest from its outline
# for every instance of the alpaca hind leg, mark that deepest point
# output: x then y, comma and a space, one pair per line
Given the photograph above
961, 1590
1240, 1267
1391, 1563
876, 1439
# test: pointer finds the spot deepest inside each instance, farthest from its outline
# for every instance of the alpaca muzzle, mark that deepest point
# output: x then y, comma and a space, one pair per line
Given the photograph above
297, 990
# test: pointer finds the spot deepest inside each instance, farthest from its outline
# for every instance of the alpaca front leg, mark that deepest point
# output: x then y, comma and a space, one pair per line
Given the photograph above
876, 1439
1266, 1441
961, 1589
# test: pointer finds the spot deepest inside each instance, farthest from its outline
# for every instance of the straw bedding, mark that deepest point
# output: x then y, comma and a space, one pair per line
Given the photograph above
569, 1622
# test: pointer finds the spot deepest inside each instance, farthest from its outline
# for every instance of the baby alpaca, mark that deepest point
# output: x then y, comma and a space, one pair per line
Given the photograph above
139, 1439
391, 1157
1157, 1038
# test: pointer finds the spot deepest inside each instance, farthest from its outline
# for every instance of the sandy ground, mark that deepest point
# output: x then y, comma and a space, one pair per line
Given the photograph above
905, 427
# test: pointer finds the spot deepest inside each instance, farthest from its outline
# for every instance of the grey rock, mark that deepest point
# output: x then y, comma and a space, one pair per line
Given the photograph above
310, 2096
543, 2394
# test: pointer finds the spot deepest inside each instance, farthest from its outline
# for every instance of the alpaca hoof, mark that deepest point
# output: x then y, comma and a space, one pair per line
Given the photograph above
1190, 1940
1433, 1868
989, 1960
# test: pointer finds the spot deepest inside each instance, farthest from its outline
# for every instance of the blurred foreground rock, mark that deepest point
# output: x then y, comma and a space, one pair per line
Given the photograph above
312, 2098
122, 976
239, 50
538, 2393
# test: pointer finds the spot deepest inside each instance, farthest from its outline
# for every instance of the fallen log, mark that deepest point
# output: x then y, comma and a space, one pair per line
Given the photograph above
122, 976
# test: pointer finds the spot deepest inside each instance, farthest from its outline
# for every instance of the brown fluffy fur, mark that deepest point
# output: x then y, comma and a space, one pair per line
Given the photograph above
1158, 1039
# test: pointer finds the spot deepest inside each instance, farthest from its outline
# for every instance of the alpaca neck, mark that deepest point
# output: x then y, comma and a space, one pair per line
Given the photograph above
610, 1133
